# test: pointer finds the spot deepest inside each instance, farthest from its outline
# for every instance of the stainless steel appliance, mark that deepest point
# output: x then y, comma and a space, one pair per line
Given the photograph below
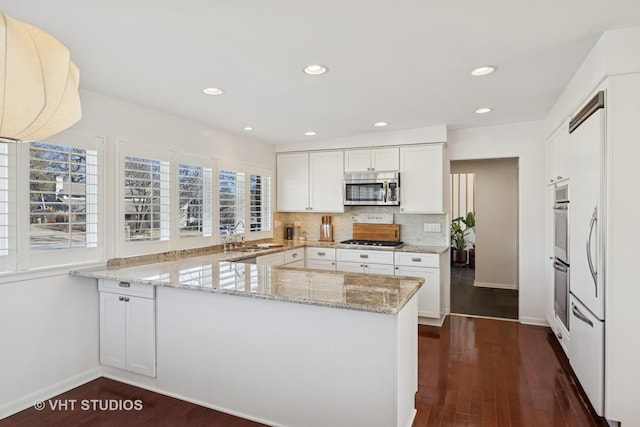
586, 248
372, 188
561, 223
384, 243
561, 253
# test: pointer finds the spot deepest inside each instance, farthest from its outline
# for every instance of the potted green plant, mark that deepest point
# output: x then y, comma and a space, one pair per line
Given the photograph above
470, 223
458, 243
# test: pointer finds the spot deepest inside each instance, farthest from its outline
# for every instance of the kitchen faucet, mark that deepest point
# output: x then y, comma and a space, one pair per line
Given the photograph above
230, 239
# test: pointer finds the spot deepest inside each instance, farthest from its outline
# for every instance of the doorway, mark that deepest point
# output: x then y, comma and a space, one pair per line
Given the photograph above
484, 280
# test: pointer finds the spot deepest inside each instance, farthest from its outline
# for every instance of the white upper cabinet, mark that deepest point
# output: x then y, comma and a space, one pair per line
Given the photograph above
293, 182
325, 181
422, 169
376, 159
557, 154
310, 182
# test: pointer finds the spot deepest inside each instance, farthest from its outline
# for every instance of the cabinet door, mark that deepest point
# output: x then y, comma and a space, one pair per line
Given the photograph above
296, 264
385, 159
326, 174
112, 330
351, 267
275, 260
357, 160
549, 162
421, 185
292, 182
141, 336
429, 293
379, 269
561, 152
320, 264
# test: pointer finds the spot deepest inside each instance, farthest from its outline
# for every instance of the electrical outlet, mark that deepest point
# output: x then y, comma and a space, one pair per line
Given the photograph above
432, 227
278, 223
297, 223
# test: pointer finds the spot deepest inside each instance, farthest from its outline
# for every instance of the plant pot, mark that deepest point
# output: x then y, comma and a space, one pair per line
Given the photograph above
458, 256
472, 258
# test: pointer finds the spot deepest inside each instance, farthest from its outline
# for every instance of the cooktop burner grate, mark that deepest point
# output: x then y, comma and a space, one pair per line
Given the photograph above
371, 243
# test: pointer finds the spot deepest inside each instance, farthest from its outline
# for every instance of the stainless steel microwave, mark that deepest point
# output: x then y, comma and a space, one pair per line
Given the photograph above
372, 188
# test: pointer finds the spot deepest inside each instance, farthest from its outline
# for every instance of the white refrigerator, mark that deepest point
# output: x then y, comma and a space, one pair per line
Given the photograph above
586, 219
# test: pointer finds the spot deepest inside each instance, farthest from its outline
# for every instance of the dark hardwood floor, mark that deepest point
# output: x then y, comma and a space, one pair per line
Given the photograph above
472, 372
478, 301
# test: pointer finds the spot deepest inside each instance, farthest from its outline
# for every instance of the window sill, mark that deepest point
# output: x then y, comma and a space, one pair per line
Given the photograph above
38, 273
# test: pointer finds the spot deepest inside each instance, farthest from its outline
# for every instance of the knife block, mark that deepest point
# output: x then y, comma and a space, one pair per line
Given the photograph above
326, 233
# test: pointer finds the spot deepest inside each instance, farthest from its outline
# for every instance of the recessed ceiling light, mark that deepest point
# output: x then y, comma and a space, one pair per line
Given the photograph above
483, 71
380, 124
315, 69
483, 110
248, 128
213, 91
310, 133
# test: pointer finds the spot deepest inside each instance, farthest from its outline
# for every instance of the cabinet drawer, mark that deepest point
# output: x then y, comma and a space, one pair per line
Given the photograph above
376, 257
126, 288
320, 264
294, 255
417, 259
328, 254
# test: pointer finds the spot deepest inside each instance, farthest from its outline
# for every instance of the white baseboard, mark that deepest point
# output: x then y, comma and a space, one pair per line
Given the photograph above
495, 285
536, 321
24, 402
430, 321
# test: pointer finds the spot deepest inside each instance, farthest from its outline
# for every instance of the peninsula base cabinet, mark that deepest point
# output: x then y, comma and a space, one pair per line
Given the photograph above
127, 327
365, 261
427, 266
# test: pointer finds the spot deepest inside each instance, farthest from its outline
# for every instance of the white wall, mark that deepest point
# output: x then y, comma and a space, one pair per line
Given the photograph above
49, 334
524, 141
49, 321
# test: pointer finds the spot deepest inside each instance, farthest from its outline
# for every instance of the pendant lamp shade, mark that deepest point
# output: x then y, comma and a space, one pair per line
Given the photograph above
38, 83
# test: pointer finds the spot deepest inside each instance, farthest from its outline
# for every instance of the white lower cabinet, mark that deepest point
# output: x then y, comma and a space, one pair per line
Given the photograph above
320, 258
128, 327
427, 267
274, 260
365, 261
291, 258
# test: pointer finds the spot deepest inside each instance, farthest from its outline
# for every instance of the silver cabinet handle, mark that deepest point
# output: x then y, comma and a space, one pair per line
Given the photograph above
559, 336
120, 298
416, 259
124, 284
558, 266
294, 255
559, 177
321, 254
594, 273
576, 312
364, 256
125, 299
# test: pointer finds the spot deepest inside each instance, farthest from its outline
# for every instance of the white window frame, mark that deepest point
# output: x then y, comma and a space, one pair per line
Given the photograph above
28, 258
234, 167
8, 174
141, 247
178, 242
264, 234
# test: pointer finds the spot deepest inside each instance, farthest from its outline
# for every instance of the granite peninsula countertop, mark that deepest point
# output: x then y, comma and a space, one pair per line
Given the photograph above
215, 273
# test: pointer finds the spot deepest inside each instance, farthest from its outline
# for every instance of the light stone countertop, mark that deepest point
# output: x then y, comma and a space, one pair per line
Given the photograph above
217, 274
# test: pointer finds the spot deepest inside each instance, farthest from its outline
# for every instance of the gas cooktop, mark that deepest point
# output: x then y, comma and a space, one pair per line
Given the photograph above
371, 243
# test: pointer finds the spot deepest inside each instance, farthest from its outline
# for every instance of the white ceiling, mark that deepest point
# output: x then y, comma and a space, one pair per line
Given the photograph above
406, 62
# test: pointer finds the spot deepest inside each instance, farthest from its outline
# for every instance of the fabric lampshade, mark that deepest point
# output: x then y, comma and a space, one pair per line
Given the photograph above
38, 83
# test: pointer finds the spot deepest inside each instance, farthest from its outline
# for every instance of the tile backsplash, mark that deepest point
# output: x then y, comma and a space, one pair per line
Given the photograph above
411, 225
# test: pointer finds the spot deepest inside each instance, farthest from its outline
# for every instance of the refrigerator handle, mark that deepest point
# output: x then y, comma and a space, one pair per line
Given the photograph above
576, 312
592, 223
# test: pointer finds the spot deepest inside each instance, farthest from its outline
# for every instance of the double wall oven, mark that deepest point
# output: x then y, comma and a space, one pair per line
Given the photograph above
561, 253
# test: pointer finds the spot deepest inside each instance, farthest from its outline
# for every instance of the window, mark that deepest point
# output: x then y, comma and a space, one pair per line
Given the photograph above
63, 196
260, 203
146, 199
4, 199
231, 198
195, 212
